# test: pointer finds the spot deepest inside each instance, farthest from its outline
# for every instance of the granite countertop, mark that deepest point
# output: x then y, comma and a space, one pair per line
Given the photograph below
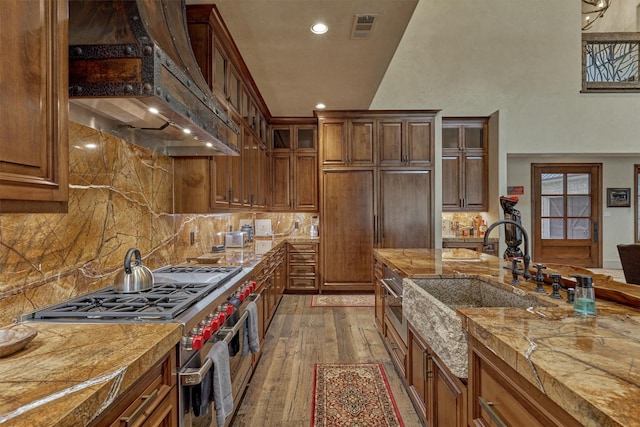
589, 365
70, 372
470, 239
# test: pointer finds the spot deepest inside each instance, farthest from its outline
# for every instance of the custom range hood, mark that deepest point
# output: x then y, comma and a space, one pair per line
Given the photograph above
133, 74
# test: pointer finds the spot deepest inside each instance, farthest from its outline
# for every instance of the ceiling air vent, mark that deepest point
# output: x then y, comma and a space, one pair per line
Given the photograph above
362, 26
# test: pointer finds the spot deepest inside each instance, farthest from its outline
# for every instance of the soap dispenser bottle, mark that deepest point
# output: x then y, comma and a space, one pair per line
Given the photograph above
585, 299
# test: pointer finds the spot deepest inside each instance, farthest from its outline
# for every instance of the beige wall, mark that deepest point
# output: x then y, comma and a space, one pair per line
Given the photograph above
521, 61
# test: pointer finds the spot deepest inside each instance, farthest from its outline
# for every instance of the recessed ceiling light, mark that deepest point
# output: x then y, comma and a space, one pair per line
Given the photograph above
153, 110
319, 28
186, 130
321, 106
208, 144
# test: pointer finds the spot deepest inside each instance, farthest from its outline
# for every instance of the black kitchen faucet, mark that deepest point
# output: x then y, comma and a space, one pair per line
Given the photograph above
526, 258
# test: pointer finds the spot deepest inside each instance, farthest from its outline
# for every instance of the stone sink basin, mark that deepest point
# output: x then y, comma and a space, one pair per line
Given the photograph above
430, 305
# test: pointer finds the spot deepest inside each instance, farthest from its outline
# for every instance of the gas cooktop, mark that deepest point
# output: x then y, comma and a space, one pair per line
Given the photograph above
176, 288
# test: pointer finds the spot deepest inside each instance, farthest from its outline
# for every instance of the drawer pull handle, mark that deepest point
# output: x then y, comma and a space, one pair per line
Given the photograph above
147, 400
488, 406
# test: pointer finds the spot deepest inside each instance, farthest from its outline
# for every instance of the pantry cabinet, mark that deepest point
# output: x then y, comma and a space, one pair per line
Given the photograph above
498, 395
34, 148
464, 164
365, 203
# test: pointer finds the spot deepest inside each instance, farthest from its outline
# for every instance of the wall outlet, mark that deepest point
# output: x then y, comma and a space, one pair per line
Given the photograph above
192, 238
295, 225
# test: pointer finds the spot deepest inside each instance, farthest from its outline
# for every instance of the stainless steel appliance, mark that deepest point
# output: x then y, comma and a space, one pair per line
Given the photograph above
208, 301
392, 283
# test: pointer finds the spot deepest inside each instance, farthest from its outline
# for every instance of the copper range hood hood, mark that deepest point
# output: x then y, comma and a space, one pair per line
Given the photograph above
133, 74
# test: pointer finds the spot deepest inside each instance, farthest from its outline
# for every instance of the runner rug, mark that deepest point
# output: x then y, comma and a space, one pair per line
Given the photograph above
353, 395
342, 301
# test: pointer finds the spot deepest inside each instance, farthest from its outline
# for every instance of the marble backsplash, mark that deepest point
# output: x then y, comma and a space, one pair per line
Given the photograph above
120, 196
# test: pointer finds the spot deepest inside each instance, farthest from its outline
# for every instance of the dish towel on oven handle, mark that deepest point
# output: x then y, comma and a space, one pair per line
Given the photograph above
251, 341
221, 382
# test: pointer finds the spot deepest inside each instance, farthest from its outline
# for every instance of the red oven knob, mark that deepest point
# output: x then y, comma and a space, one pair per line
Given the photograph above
252, 285
196, 342
206, 332
222, 316
241, 296
215, 324
229, 309
247, 291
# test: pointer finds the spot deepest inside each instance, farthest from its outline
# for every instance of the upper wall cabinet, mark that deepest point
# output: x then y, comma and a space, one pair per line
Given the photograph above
347, 142
34, 150
294, 165
405, 142
464, 164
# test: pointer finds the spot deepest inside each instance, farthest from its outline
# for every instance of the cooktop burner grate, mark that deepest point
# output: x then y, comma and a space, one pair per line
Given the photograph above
165, 301
205, 269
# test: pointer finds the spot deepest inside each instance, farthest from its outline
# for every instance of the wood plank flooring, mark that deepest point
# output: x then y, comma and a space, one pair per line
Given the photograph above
280, 392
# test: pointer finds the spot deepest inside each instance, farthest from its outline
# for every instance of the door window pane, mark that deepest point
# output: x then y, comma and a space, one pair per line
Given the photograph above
219, 71
552, 228
579, 206
579, 228
473, 137
552, 183
449, 137
281, 138
552, 206
578, 183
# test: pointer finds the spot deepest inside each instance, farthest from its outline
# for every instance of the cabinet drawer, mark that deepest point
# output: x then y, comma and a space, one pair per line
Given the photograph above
300, 283
302, 270
302, 247
302, 257
397, 347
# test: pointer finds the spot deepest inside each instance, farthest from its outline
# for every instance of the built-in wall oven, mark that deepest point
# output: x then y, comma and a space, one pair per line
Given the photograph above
392, 283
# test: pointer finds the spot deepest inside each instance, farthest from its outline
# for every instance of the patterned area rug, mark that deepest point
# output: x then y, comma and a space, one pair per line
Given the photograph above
354, 395
342, 301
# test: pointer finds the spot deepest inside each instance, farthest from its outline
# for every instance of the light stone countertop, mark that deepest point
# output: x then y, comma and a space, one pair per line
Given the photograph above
590, 366
71, 371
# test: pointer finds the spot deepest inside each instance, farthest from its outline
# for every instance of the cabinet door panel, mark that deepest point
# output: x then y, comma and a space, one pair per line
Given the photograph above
390, 142
347, 232
306, 182
333, 148
418, 143
405, 209
361, 144
475, 182
34, 152
282, 172
451, 182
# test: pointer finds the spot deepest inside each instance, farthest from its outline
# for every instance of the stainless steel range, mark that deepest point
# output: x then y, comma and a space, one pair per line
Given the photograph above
208, 301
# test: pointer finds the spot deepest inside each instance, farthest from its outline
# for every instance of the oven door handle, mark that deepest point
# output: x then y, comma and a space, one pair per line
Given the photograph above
231, 332
388, 288
194, 376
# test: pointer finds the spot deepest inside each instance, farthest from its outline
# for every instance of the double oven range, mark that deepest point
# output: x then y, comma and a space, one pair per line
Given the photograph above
208, 301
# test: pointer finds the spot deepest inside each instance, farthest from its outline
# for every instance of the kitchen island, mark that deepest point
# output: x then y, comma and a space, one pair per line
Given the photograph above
588, 366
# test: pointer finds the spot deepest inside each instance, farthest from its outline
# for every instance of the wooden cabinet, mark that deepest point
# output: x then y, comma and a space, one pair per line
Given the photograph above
347, 229
34, 150
294, 166
439, 396
500, 396
366, 204
464, 164
347, 142
303, 265
405, 142
491, 248
150, 401
234, 182
404, 219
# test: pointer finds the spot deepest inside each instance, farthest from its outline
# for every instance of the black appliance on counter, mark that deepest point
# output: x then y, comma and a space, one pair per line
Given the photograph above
208, 301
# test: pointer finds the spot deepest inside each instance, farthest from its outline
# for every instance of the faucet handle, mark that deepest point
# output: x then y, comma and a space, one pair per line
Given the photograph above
555, 278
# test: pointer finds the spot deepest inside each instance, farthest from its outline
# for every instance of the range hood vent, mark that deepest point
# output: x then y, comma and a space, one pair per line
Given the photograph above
131, 66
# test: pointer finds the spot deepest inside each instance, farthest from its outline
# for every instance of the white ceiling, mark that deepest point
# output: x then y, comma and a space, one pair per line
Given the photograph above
295, 69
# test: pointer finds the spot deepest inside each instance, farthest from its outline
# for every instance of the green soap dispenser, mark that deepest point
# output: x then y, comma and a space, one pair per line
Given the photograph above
585, 299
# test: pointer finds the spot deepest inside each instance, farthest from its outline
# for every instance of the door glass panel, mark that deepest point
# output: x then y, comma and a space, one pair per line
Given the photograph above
281, 138
552, 206
449, 137
579, 206
552, 228
578, 228
552, 183
233, 90
473, 137
578, 183
305, 138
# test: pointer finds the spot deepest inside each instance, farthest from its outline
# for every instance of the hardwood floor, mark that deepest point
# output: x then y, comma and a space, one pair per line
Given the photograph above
280, 392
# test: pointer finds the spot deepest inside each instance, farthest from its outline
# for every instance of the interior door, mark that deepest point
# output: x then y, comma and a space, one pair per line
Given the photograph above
567, 213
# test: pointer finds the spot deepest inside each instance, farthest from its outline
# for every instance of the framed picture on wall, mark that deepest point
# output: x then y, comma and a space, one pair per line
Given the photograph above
618, 197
